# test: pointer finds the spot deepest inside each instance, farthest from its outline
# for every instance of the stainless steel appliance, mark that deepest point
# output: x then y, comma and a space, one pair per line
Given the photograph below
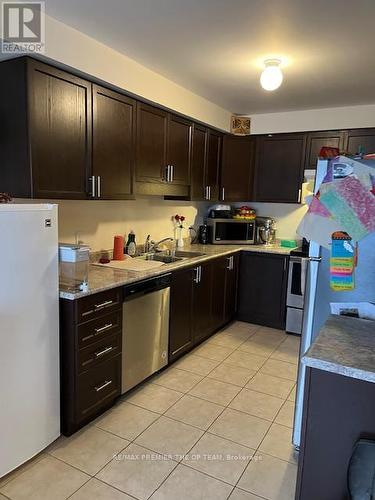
232, 231
295, 299
145, 329
265, 231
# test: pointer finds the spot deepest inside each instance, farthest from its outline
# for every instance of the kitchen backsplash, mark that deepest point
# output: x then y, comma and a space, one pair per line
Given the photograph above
96, 222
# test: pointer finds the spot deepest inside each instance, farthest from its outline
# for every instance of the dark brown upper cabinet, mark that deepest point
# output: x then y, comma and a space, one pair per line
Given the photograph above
237, 168
317, 140
179, 149
45, 149
279, 167
162, 151
360, 141
213, 165
151, 148
113, 159
198, 190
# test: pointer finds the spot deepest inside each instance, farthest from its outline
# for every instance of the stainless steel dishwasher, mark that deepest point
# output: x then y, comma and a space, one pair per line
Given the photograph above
145, 329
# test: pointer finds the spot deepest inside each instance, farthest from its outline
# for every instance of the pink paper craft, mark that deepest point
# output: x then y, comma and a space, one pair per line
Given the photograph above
359, 199
316, 207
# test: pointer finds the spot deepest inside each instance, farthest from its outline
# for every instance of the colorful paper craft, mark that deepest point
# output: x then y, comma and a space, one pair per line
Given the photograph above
342, 262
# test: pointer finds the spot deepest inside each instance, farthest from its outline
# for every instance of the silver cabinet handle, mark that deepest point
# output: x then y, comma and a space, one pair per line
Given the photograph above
167, 173
103, 352
103, 328
229, 266
172, 173
99, 187
222, 193
206, 193
200, 273
196, 277
299, 195
92, 179
315, 259
103, 386
209, 192
103, 304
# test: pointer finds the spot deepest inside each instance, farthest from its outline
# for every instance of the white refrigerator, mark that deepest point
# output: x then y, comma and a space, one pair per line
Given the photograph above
319, 295
29, 332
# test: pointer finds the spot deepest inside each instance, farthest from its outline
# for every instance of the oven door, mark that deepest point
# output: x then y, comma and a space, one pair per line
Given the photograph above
296, 282
233, 232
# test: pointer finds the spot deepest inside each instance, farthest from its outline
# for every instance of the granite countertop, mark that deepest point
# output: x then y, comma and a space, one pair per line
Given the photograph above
102, 278
345, 346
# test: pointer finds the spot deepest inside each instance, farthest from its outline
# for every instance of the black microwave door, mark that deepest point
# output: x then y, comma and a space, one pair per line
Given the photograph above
232, 231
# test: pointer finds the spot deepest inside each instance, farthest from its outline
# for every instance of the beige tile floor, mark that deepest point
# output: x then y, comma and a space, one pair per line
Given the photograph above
216, 425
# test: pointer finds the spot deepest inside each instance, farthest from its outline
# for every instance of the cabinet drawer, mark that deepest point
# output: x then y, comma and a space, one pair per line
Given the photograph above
98, 387
95, 305
95, 353
95, 330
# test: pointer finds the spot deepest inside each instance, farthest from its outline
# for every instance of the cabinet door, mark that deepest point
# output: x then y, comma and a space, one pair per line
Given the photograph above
219, 273
198, 163
202, 294
60, 132
360, 141
180, 327
179, 148
317, 140
151, 144
237, 168
213, 164
231, 288
262, 289
279, 168
113, 143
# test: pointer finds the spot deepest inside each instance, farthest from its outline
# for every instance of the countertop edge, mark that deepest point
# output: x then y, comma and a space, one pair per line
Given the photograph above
174, 268
331, 367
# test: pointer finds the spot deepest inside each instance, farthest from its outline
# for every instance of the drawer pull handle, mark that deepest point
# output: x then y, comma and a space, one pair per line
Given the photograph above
103, 386
103, 304
87, 337
103, 352
103, 328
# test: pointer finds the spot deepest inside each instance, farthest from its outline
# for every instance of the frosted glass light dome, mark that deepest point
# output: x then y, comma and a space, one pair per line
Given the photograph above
272, 76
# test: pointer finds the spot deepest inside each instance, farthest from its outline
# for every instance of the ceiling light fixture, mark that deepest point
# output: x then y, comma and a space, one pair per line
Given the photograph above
272, 76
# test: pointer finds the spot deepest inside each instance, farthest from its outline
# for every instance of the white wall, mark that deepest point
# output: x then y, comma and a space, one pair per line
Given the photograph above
314, 119
98, 221
75, 49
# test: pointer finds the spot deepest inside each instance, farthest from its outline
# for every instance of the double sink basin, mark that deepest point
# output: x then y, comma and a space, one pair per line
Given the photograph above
169, 259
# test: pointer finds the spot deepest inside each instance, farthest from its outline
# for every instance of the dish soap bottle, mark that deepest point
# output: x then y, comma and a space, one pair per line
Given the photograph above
131, 246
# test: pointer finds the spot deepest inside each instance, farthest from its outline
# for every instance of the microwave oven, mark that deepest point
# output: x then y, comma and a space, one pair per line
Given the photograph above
232, 231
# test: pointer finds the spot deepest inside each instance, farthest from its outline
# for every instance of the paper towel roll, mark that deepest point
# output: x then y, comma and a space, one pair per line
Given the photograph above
118, 248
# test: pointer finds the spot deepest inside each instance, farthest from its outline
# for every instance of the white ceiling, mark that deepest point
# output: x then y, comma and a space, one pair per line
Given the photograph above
214, 47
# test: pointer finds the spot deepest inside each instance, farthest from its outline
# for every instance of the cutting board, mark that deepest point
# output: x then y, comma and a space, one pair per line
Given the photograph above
133, 264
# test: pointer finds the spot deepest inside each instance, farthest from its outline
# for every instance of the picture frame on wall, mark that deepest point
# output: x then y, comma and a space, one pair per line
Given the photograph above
240, 125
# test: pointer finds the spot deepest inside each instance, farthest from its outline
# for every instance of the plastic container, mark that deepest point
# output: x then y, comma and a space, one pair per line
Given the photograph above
74, 266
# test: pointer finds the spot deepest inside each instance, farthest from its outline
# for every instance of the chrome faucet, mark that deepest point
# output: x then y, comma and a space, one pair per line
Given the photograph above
154, 245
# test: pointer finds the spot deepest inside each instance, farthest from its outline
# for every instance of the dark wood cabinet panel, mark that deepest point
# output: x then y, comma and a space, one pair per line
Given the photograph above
213, 164
179, 148
202, 300
198, 163
113, 143
262, 289
237, 168
60, 132
279, 167
180, 326
231, 288
317, 140
151, 144
360, 141
220, 268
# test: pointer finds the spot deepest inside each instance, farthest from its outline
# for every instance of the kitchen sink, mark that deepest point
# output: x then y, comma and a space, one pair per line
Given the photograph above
167, 259
188, 255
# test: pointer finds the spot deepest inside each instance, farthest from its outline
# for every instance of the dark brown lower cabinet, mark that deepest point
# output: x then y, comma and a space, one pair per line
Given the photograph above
338, 411
180, 326
203, 299
90, 357
262, 289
